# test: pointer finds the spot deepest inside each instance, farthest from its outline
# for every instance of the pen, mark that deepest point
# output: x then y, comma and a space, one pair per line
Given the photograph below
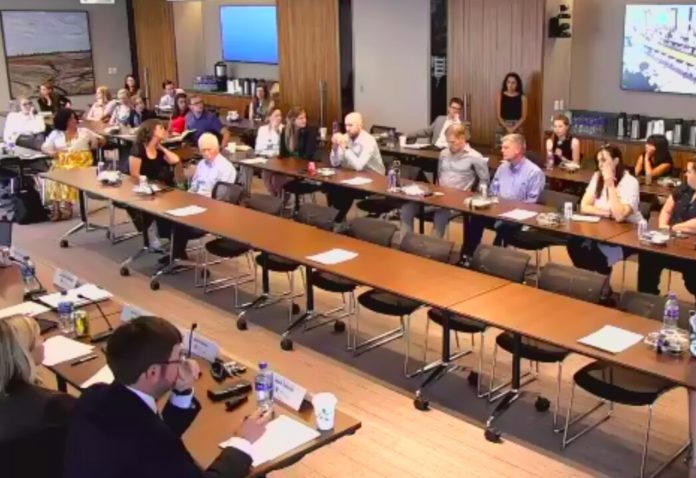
84, 359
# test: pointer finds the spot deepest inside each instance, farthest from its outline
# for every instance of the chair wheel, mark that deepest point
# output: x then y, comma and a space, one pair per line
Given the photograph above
492, 435
339, 327
124, 271
542, 404
473, 378
108, 235
421, 404
295, 309
154, 285
63, 243
286, 344
241, 324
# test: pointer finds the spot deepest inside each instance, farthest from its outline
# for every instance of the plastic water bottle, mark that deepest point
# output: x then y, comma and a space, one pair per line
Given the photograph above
670, 318
495, 188
549, 161
65, 315
642, 229
391, 180
263, 384
101, 167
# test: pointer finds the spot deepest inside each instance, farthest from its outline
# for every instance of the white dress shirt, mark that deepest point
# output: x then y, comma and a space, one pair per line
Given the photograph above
19, 123
361, 152
208, 174
166, 102
267, 141
56, 141
442, 139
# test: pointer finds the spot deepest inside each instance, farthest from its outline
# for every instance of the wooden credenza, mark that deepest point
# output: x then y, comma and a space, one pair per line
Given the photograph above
223, 101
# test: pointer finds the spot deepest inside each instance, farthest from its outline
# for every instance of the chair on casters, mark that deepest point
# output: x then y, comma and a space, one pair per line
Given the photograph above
301, 188
380, 206
565, 280
497, 261
615, 384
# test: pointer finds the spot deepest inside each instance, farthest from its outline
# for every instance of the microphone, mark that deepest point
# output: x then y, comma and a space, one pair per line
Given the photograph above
103, 335
32, 285
194, 326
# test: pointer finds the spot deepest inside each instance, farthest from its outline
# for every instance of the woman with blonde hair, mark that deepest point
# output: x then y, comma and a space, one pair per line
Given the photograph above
122, 110
102, 107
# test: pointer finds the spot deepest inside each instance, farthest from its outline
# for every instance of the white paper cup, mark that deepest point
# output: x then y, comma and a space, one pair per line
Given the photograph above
322, 133
232, 147
325, 410
402, 140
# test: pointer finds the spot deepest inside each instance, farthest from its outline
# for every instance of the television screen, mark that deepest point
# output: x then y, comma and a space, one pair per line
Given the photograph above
249, 33
659, 51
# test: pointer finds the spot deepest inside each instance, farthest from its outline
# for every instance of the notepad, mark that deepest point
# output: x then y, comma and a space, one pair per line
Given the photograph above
282, 435
104, 375
611, 339
25, 308
357, 181
254, 161
584, 218
518, 214
333, 256
416, 145
60, 349
186, 211
90, 291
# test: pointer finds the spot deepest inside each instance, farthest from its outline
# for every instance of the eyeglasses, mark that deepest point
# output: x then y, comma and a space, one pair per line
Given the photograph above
179, 361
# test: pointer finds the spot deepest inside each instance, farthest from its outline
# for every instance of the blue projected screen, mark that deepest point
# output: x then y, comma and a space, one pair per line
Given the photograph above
249, 33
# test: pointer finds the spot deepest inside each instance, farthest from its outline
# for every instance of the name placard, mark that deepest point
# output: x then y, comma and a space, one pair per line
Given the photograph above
65, 280
288, 392
130, 312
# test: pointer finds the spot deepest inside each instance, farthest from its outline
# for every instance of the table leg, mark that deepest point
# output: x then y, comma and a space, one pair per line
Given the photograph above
440, 369
286, 342
421, 220
511, 396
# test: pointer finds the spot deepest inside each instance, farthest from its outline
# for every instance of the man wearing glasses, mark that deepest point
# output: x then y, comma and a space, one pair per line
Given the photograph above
436, 132
203, 121
117, 430
25, 121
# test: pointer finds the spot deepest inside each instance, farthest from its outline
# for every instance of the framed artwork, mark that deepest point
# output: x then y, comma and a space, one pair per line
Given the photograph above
45, 46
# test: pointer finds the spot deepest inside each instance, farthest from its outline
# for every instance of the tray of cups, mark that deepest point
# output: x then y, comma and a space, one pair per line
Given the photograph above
674, 342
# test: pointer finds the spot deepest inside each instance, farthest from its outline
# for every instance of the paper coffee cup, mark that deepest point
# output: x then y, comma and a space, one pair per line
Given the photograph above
402, 140
232, 147
325, 410
322, 133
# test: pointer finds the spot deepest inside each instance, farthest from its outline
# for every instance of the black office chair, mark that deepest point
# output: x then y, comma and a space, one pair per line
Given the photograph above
615, 384
493, 260
564, 280
386, 303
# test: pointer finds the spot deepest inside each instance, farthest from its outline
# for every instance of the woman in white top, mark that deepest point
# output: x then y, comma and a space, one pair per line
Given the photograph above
103, 106
612, 194
22, 120
268, 135
122, 110
70, 147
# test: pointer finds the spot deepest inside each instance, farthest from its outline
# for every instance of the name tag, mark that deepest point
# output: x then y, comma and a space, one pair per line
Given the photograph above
201, 346
130, 312
288, 392
65, 280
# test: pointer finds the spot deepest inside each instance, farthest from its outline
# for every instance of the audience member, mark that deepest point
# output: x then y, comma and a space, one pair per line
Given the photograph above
22, 120
213, 168
168, 98
122, 110
511, 107
177, 123
562, 145
203, 121
436, 132
268, 135
49, 101
261, 104
103, 106
656, 161
139, 113
131, 85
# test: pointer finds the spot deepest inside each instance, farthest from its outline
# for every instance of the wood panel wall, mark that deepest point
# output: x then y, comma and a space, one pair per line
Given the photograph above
487, 39
309, 52
156, 47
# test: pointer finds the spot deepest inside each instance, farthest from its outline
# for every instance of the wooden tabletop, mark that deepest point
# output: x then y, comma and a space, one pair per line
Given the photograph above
681, 248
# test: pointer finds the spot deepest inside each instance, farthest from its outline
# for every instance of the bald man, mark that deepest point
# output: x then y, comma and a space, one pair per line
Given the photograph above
214, 167
358, 150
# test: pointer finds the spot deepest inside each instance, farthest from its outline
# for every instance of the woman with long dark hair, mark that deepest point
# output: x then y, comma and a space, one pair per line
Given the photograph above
510, 107
656, 161
177, 123
131, 85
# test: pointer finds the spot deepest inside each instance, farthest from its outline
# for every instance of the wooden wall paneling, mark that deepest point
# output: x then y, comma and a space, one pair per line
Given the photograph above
156, 44
308, 42
487, 39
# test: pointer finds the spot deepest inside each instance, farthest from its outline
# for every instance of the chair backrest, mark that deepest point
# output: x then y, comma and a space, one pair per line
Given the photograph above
645, 207
265, 203
653, 307
573, 282
535, 157
427, 246
410, 172
372, 230
500, 262
557, 199
316, 215
227, 192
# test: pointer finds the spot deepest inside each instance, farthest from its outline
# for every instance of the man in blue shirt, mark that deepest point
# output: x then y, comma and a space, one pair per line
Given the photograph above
516, 179
203, 121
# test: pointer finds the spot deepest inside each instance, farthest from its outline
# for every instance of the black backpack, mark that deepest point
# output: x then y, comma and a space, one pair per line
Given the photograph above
27, 206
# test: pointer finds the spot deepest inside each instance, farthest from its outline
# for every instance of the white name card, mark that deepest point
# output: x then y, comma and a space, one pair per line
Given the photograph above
130, 312
65, 280
288, 392
201, 346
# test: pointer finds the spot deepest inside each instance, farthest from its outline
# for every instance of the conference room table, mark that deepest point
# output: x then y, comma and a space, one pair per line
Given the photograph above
22, 158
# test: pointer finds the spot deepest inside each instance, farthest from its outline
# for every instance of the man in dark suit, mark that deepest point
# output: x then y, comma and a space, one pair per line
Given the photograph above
117, 431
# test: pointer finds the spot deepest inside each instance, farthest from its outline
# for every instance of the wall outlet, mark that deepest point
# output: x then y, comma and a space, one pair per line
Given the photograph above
111, 70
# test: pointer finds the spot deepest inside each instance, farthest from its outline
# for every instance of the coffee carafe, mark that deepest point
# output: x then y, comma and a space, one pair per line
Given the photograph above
621, 125
635, 127
678, 131
692, 134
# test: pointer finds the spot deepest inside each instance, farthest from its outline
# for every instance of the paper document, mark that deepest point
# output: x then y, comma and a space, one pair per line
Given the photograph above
90, 291
611, 339
254, 161
334, 256
104, 375
186, 211
60, 349
585, 218
26, 308
357, 181
416, 145
282, 435
518, 214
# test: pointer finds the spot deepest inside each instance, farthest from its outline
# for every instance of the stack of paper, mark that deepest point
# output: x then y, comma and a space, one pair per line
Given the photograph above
611, 339
60, 349
357, 181
26, 308
584, 218
186, 211
90, 291
254, 161
333, 256
104, 375
518, 214
282, 435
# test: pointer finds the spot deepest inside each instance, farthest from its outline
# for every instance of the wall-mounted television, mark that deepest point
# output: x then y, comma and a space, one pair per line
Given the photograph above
249, 33
659, 49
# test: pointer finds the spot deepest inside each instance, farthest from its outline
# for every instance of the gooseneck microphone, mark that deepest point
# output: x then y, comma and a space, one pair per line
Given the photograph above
94, 338
194, 326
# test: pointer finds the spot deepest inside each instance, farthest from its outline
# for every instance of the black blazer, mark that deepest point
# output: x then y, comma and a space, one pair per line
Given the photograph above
57, 102
33, 428
306, 144
135, 119
115, 434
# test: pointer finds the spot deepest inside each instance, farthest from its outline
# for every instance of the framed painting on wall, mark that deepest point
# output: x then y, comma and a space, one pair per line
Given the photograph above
47, 46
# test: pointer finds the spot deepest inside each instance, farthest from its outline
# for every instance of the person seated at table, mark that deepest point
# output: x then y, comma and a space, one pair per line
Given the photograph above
177, 123
678, 214
268, 135
168, 98
459, 167
261, 104
103, 106
33, 419
436, 132
71, 147
22, 120
118, 427
656, 161
203, 121
516, 179
562, 145
614, 194
213, 168
357, 150
131, 85
510, 107
139, 113
49, 101
122, 110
